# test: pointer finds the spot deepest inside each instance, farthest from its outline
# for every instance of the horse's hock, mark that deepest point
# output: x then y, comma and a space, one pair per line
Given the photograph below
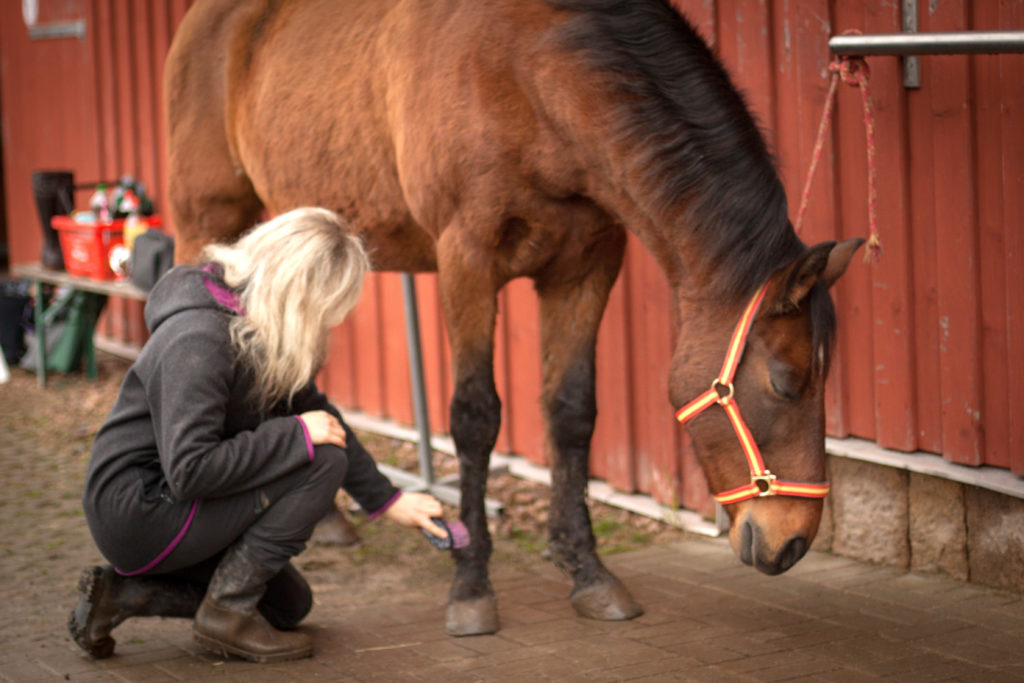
909, 520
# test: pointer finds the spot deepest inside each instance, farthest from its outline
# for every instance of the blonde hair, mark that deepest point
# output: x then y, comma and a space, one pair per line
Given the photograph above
297, 276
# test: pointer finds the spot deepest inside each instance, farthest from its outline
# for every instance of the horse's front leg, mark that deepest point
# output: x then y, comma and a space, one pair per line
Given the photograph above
570, 315
469, 300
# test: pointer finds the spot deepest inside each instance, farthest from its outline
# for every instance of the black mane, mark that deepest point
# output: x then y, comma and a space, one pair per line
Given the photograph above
698, 145
692, 135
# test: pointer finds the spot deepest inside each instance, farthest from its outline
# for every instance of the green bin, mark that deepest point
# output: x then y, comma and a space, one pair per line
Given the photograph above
70, 323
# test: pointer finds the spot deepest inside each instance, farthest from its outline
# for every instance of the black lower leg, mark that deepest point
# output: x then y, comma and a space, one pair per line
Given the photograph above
475, 421
571, 413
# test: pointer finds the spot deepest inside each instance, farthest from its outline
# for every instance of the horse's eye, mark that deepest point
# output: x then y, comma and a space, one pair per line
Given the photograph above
785, 382
783, 391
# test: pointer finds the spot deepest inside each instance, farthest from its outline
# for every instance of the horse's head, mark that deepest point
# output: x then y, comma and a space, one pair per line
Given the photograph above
759, 430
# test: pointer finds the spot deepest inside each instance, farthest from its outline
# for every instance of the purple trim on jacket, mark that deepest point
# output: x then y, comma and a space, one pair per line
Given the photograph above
384, 508
170, 546
224, 296
305, 433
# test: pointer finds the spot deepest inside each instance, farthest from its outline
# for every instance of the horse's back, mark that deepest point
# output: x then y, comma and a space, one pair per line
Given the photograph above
402, 115
271, 105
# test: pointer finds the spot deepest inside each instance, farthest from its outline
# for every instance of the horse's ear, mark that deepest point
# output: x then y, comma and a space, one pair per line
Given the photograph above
824, 263
839, 258
797, 279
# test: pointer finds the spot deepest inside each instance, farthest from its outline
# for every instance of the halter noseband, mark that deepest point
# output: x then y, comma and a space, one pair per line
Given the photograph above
762, 482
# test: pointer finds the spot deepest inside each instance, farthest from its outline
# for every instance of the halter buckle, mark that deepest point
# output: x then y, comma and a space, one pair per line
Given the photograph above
718, 386
764, 483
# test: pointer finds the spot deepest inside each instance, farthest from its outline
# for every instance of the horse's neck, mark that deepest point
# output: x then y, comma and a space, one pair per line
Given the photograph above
721, 241
679, 162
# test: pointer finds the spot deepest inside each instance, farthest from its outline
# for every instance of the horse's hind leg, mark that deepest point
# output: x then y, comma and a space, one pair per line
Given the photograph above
469, 299
210, 197
570, 316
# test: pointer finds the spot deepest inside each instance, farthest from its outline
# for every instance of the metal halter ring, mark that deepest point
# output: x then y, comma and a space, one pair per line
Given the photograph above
764, 483
723, 398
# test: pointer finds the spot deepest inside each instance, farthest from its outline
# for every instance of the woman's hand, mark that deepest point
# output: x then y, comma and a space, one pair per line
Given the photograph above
323, 428
415, 510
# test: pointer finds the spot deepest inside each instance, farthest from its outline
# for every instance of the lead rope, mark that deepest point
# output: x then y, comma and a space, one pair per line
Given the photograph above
852, 71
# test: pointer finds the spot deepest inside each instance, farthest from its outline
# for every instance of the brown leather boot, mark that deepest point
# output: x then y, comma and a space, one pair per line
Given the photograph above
106, 599
228, 622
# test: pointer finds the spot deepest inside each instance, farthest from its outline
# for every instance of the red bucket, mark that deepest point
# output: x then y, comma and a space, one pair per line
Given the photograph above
87, 246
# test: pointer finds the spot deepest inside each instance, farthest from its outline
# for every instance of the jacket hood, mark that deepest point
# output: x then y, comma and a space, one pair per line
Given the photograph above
186, 288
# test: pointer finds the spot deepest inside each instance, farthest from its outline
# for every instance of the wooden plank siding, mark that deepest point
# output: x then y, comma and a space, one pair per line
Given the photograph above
931, 343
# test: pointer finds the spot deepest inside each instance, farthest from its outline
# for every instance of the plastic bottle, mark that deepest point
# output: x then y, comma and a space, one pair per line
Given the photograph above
99, 204
116, 197
134, 224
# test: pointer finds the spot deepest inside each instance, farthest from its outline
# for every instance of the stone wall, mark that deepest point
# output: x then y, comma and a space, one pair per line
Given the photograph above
923, 523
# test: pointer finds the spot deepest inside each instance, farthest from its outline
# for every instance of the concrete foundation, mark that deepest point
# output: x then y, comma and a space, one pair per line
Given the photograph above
908, 520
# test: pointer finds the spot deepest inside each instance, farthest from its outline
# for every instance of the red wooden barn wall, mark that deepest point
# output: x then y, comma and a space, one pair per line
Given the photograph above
92, 106
931, 337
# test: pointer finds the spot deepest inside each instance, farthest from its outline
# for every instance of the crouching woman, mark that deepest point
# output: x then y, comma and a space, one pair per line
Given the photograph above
220, 454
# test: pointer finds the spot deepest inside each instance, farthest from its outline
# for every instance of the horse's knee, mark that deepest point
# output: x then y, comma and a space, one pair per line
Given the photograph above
572, 409
475, 415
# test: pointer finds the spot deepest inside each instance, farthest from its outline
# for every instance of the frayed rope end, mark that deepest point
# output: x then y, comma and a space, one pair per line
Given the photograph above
873, 250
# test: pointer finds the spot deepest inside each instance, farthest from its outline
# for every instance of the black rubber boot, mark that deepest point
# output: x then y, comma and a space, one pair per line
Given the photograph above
54, 194
228, 621
106, 599
288, 599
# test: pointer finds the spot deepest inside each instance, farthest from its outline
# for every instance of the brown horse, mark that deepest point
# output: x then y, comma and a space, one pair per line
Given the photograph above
508, 138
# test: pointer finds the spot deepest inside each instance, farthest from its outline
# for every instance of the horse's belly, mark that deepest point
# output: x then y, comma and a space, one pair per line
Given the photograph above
312, 130
394, 240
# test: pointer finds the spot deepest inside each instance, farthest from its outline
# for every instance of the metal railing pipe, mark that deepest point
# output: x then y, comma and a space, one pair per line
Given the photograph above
938, 43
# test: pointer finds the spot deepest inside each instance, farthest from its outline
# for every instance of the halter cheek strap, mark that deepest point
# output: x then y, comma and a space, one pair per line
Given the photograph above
762, 481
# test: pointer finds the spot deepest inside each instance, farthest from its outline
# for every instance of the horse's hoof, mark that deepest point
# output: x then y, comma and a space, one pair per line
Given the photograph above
475, 617
608, 601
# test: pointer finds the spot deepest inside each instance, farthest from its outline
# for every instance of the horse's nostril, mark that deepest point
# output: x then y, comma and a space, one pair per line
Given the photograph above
747, 543
752, 550
791, 554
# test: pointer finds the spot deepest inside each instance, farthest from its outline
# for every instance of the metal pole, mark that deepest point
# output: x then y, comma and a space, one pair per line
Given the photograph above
948, 43
419, 394
442, 489
40, 312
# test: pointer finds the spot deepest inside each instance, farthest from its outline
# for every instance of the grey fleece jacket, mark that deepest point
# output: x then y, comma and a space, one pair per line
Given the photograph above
182, 428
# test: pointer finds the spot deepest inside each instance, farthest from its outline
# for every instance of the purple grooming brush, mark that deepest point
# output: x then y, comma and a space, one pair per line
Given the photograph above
458, 535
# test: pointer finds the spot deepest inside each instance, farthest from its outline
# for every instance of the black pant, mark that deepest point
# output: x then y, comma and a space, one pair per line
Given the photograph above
274, 522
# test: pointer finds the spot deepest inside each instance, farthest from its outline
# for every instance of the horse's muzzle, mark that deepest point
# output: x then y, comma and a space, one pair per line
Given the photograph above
754, 551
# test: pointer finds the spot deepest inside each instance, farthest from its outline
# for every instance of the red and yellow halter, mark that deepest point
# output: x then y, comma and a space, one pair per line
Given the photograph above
762, 481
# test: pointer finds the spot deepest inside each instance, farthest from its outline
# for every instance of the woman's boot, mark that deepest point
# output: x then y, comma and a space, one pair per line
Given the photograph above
228, 621
106, 599
288, 599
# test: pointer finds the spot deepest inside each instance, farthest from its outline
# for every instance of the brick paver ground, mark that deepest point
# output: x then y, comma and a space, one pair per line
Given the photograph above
707, 618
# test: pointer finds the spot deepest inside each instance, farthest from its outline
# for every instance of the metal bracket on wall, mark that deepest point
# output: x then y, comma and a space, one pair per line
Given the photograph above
909, 44
911, 63
58, 29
